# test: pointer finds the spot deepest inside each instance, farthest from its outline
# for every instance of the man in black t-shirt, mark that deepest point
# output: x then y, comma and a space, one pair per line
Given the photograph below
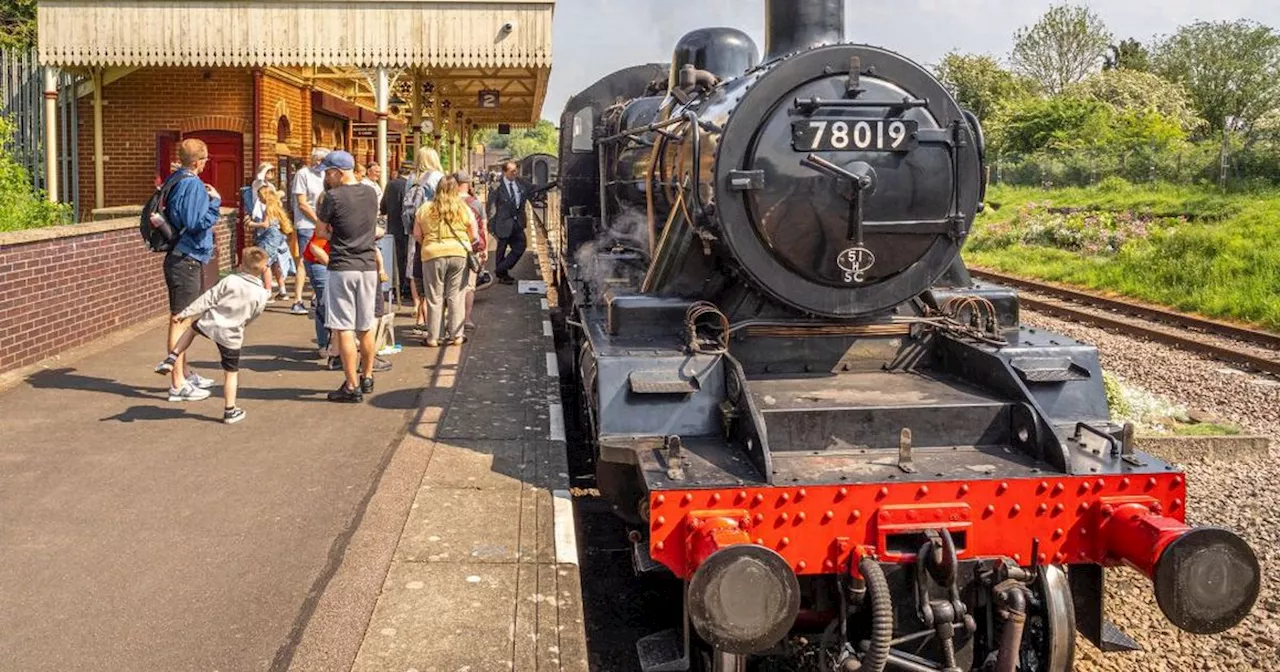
349, 217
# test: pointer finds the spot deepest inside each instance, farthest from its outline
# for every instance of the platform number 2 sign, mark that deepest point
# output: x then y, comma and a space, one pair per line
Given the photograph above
489, 99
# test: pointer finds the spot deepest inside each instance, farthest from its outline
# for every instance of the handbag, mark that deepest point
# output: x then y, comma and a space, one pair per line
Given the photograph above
473, 261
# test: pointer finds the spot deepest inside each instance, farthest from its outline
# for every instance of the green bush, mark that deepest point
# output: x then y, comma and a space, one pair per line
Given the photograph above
21, 206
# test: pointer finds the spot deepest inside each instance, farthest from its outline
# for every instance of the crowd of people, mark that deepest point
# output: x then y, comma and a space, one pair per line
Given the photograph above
339, 236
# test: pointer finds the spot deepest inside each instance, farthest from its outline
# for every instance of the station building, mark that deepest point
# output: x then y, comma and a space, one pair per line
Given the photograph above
270, 80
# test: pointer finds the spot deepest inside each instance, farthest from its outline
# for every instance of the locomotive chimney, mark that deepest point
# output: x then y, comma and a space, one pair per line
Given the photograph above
792, 25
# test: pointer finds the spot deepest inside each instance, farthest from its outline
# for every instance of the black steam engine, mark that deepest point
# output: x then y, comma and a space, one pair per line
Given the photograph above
849, 450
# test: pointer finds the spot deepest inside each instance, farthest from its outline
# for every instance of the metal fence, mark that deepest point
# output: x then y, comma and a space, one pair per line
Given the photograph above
1192, 164
22, 104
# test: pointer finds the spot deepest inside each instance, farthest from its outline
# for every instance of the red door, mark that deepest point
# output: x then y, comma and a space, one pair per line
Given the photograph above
225, 170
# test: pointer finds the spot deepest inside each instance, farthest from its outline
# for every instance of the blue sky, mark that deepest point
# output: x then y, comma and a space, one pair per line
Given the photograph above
595, 37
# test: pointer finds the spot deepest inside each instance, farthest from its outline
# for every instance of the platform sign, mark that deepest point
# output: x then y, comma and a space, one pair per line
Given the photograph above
490, 98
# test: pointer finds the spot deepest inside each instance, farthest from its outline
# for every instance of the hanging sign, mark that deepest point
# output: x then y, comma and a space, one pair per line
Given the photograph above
489, 99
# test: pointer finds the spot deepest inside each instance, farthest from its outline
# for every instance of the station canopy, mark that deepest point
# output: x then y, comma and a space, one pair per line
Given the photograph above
466, 49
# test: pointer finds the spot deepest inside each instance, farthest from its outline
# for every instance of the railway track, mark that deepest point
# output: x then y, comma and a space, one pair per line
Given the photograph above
1250, 348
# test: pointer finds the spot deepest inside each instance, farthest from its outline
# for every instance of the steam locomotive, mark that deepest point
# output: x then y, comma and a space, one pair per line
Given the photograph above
845, 447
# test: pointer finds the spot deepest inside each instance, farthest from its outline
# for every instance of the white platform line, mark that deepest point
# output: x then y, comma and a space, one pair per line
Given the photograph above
565, 529
544, 304
557, 422
553, 366
546, 327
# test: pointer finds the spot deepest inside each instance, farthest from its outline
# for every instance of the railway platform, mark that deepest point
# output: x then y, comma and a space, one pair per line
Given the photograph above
429, 528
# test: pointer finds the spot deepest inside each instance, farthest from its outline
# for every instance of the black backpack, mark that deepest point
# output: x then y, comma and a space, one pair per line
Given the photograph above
154, 226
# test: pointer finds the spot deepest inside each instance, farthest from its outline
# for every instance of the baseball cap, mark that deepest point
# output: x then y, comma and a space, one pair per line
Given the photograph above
339, 160
462, 177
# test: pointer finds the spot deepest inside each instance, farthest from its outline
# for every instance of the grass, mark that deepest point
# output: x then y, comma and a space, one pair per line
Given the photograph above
1189, 248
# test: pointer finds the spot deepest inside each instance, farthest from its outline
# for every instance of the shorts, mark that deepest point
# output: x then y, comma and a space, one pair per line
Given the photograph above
349, 300
184, 278
230, 356
418, 276
380, 304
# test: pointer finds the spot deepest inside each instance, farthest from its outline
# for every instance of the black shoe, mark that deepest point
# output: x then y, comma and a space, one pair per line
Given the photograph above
380, 365
335, 364
346, 395
506, 280
366, 385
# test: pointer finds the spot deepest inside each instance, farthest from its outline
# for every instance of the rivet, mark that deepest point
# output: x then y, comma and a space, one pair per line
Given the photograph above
1043, 558
964, 488
1059, 557
1100, 483
1002, 487
757, 499
1084, 506
801, 493
800, 517
759, 541
1084, 531
784, 541
1057, 534
1124, 482
1151, 482
1084, 487
715, 498
856, 515
1042, 508
786, 496
828, 516
662, 520
884, 492
989, 510
1017, 557
742, 494
1107, 511
1057, 508
801, 565
1017, 508
843, 492
1044, 485
688, 497
1058, 488
1175, 504
1177, 481
829, 563
924, 490
759, 518
784, 516
661, 499
744, 522
1082, 555
660, 545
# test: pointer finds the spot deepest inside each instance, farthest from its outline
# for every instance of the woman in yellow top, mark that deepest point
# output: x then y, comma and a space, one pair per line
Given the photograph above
446, 231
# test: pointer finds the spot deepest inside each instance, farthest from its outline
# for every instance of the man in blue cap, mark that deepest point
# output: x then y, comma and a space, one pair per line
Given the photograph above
349, 219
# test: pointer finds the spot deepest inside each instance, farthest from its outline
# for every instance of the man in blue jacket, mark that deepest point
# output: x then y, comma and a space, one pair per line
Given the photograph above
192, 209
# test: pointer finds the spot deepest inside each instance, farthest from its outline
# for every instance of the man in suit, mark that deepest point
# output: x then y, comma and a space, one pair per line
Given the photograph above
506, 203
390, 208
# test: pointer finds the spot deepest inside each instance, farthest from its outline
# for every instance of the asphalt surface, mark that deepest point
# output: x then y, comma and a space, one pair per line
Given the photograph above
139, 535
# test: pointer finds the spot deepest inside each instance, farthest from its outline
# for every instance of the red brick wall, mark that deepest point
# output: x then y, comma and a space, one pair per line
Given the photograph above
296, 103
138, 106
60, 293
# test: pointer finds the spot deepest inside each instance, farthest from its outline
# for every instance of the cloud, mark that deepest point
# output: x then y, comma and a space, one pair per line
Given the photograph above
596, 37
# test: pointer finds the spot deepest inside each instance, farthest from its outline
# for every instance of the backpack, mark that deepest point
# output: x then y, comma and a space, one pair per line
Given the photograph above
419, 192
155, 228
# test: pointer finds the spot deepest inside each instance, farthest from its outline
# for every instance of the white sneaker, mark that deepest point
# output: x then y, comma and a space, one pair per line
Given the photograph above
200, 381
188, 392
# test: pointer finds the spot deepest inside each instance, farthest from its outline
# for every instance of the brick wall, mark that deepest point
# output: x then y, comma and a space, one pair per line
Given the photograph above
152, 100
64, 287
279, 96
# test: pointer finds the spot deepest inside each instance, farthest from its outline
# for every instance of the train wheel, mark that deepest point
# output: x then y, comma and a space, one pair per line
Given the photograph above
1048, 644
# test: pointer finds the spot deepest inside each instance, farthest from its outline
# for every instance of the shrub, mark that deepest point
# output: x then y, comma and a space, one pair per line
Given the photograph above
21, 206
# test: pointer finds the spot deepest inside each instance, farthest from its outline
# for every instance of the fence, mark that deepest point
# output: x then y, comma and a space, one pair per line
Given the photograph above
1193, 164
22, 104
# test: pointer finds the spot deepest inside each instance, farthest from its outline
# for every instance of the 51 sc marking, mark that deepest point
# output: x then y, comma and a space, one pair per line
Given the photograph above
879, 135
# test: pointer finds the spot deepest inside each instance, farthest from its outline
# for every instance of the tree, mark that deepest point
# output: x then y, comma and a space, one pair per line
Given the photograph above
1134, 91
17, 24
1230, 68
542, 138
1060, 49
979, 83
1128, 55
1072, 123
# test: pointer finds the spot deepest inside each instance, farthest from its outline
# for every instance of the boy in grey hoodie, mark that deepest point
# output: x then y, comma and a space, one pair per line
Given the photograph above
224, 312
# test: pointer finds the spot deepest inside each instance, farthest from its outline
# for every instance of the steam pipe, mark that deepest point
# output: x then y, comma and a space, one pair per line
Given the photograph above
793, 25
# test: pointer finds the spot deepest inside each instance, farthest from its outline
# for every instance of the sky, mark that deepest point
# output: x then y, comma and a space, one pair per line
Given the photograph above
593, 38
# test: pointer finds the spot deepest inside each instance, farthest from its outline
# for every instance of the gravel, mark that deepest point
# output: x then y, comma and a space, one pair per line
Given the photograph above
1243, 495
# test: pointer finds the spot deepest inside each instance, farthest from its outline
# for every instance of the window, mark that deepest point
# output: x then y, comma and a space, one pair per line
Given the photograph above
584, 125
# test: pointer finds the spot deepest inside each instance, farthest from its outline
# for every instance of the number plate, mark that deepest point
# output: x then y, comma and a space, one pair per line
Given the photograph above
853, 135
